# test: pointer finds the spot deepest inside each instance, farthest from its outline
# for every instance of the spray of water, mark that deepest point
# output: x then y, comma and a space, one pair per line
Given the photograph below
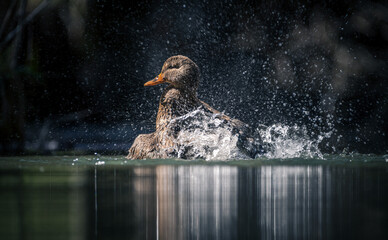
290, 142
205, 135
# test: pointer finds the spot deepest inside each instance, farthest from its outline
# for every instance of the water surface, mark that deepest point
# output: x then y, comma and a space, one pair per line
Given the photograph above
109, 197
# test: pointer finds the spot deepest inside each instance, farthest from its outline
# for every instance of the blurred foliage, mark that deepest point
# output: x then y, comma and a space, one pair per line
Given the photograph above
323, 65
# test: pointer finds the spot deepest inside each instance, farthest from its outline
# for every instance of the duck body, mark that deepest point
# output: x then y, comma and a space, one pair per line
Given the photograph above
180, 99
160, 144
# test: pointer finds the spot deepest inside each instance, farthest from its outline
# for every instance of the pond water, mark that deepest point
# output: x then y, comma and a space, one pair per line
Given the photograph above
109, 197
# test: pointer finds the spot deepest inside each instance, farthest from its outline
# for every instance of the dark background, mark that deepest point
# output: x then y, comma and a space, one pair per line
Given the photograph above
72, 72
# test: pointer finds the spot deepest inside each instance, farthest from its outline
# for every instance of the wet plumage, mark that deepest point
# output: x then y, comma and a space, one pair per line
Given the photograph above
178, 99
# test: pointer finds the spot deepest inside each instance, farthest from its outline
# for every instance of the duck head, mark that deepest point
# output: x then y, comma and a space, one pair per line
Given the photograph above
180, 72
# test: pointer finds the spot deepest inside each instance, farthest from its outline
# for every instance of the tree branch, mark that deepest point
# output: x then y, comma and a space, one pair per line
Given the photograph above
7, 17
19, 27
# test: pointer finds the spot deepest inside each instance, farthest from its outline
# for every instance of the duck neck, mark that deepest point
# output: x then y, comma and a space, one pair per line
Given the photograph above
174, 103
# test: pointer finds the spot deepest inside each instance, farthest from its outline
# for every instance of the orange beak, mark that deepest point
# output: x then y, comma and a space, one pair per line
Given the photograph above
158, 80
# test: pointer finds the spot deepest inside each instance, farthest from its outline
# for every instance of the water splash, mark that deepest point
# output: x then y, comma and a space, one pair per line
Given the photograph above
205, 135
290, 142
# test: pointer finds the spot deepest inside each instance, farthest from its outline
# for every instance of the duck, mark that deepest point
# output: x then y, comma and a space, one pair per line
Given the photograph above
178, 99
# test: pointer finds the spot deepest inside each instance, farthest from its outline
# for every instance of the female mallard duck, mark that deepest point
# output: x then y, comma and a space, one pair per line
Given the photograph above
178, 99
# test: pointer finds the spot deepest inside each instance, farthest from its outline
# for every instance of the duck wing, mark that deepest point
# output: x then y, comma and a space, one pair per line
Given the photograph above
249, 140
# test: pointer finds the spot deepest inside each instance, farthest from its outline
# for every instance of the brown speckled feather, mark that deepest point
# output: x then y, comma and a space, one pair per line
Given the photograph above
178, 99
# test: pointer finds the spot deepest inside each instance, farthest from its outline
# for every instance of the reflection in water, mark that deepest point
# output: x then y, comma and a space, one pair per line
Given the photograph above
290, 202
270, 202
224, 202
39, 203
195, 202
95, 203
145, 200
